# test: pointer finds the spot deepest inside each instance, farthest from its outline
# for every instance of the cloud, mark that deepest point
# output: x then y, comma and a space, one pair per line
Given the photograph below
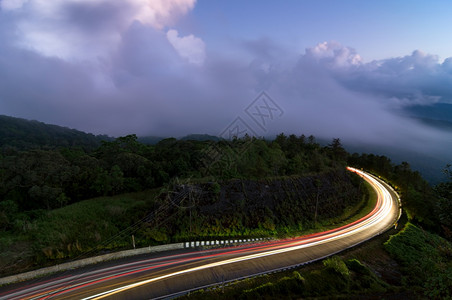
189, 47
334, 55
114, 67
86, 29
329, 91
11, 4
161, 13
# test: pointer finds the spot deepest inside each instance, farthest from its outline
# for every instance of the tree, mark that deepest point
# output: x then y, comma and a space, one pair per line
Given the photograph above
338, 152
293, 146
8, 209
444, 192
116, 179
281, 140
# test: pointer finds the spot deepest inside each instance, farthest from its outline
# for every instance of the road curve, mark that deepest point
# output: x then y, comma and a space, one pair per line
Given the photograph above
163, 275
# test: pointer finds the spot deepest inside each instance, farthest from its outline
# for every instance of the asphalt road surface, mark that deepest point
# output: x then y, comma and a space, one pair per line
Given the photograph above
168, 274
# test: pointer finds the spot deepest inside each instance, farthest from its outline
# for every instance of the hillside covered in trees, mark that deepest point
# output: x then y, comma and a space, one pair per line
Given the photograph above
23, 134
43, 178
241, 187
64, 193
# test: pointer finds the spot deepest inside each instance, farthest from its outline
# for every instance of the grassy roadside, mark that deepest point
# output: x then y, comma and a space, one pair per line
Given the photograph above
425, 259
83, 229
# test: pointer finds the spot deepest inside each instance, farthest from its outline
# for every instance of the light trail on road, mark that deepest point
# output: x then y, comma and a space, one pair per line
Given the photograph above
123, 280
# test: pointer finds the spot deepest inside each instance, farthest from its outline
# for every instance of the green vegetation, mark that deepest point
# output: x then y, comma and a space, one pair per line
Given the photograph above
444, 192
267, 207
48, 179
20, 134
425, 259
81, 229
52, 178
353, 213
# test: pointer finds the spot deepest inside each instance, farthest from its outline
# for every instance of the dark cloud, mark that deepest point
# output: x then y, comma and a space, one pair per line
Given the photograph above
95, 17
37, 87
137, 82
145, 53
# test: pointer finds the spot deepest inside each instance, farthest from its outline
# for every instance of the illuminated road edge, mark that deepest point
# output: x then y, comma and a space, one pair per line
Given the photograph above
381, 211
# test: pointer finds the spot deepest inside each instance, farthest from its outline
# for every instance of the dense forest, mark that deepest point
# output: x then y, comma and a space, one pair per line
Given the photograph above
37, 179
204, 186
50, 178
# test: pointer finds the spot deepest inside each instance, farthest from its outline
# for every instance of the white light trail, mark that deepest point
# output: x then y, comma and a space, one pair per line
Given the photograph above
381, 212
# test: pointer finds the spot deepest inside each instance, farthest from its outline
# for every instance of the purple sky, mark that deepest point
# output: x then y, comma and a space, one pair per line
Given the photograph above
173, 67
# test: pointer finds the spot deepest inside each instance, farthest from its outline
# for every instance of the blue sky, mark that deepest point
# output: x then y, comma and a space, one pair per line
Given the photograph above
347, 69
377, 29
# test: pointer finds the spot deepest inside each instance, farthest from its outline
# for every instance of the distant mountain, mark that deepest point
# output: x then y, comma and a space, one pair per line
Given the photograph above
200, 137
440, 124
438, 115
430, 167
153, 140
150, 140
24, 134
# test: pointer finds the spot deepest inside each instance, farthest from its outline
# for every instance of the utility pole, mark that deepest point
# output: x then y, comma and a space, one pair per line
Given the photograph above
189, 207
133, 241
316, 206
316, 202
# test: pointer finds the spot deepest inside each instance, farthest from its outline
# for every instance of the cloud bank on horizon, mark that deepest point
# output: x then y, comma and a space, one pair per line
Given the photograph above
120, 67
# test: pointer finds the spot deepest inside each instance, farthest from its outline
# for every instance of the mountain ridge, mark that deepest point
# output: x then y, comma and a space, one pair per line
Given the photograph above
24, 134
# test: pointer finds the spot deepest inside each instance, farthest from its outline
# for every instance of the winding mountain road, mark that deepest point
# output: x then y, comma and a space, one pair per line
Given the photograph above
163, 275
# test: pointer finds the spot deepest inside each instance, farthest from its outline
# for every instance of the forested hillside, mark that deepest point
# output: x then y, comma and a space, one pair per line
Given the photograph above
47, 179
245, 187
22, 134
